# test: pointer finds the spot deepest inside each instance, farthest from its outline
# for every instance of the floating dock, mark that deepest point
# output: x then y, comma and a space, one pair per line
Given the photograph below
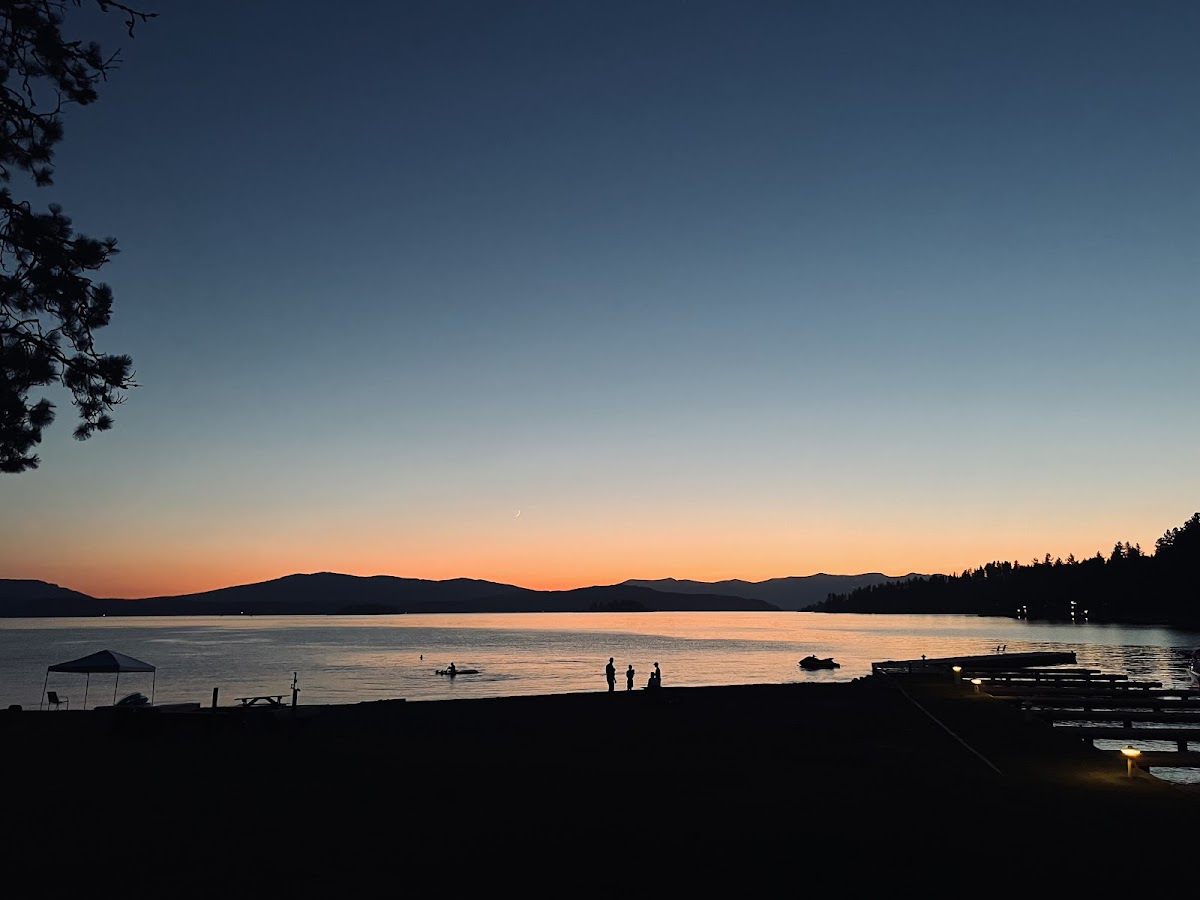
975, 663
1090, 705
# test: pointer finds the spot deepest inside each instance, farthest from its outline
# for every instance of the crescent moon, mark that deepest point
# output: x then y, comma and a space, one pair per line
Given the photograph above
518, 515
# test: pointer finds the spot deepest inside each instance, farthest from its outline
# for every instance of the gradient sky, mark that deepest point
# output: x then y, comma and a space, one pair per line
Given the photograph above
704, 290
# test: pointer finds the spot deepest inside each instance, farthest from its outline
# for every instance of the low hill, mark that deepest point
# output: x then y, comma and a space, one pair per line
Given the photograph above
632, 598
329, 593
795, 592
28, 597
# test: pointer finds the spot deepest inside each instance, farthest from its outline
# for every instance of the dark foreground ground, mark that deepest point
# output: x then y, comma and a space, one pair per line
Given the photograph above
874, 784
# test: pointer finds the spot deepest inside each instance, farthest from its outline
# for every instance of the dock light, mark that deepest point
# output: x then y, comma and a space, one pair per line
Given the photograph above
957, 670
977, 682
1131, 753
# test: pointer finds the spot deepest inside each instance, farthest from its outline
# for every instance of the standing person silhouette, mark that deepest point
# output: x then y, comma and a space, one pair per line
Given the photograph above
629, 673
657, 676
610, 672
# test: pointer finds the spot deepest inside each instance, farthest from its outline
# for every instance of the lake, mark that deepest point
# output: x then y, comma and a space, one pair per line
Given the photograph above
352, 658
347, 659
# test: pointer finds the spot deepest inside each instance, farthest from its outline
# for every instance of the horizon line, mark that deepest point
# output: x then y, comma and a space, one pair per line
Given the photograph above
487, 580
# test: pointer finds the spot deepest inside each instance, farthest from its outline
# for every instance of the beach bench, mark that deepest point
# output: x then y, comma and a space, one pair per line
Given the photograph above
265, 700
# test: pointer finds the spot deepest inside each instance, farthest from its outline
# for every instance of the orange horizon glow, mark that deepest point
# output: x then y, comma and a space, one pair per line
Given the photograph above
812, 293
549, 561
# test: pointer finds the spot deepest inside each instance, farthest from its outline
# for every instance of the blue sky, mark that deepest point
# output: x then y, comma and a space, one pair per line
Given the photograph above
704, 290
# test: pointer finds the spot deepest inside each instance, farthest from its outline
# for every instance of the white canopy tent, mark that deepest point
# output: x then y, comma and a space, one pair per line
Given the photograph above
103, 661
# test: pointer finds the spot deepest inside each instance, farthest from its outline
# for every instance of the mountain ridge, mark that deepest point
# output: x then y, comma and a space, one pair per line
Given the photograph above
331, 593
794, 592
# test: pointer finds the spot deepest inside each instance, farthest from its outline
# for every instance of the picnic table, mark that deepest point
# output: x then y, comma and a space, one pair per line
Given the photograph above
266, 700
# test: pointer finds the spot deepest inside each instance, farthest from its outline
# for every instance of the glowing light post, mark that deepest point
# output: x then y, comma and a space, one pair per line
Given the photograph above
957, 673
1131, 753
978, 682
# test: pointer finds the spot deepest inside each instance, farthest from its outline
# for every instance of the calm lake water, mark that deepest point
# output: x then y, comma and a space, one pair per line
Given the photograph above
353, 658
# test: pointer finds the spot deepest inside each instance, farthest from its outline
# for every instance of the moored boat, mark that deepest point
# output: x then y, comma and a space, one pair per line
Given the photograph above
814, 662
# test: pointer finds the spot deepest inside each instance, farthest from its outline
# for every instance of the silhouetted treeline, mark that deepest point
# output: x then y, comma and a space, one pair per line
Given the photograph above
1126, 586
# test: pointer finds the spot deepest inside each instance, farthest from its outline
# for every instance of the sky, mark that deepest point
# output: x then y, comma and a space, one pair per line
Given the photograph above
565, 293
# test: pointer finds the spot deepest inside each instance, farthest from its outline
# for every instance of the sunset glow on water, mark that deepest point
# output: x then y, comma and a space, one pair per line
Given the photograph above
349, 659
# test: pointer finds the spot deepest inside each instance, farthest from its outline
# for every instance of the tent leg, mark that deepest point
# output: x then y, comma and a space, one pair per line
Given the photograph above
116, 684
87, 684
44, 683
153, 679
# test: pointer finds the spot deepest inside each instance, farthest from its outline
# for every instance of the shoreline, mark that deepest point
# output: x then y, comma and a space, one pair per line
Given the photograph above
701, 768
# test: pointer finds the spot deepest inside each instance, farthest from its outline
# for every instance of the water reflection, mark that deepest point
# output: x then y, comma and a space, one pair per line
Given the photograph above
350, 659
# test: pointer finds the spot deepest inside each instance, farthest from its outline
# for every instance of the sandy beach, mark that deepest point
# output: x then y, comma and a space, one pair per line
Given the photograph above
341, 792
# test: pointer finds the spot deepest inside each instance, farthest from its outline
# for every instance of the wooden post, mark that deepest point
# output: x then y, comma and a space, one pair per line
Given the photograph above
295, 690
214, 706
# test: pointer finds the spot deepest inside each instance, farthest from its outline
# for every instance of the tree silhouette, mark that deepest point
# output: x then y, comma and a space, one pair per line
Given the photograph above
50, 307
1128, 586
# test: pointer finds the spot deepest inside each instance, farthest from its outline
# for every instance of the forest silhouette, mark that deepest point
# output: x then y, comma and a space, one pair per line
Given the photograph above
1128, 586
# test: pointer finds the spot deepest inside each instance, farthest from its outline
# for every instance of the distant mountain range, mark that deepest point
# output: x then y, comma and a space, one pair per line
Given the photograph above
796, 592
328, 593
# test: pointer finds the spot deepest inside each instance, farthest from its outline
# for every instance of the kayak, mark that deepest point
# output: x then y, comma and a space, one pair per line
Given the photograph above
457, 672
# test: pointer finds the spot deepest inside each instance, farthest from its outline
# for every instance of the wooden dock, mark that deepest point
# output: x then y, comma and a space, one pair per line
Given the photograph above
1165, 759
1094, 705
1046, 688
1125, 716
1087, 703
988, 662
1053, 676
1181, 737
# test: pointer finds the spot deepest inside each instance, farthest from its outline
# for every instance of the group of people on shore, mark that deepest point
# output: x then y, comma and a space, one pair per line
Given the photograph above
610, 674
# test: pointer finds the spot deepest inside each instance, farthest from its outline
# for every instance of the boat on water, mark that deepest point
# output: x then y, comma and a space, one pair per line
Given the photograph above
815, 662
455, 672
1193, 668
